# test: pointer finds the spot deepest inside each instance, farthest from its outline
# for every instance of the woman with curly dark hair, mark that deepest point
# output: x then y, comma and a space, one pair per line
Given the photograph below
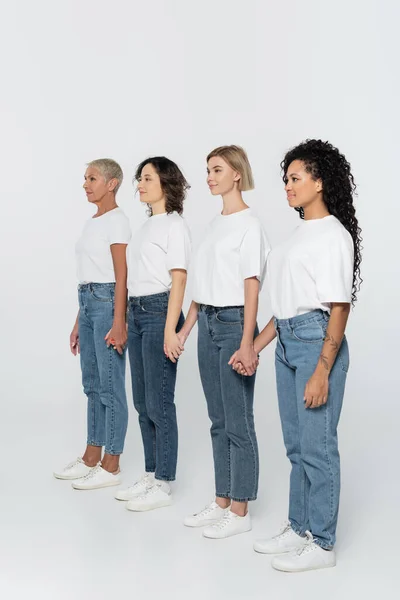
157, 267
313, 280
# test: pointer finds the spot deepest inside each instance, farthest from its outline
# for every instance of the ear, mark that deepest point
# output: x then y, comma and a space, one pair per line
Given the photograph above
318, 185
237, 176
112, 184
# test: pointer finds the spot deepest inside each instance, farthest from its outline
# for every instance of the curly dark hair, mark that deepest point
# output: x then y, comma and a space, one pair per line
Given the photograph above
173, 183
324, 161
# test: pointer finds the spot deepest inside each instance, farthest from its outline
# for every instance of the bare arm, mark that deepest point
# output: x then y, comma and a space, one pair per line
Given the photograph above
173, 347
317, 387
262, 340
265, 337
246, 354
191, 320
117, 336
74, 337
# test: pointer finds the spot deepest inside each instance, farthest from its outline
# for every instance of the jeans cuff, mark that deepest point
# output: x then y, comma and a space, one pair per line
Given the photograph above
164, 478
297, 529
94, 443
322, 544
248, 499
223, 495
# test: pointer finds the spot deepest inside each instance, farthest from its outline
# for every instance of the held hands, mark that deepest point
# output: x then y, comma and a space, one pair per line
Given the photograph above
74, 341
117, 336
316, 391
182, 336
173, 345
245, 360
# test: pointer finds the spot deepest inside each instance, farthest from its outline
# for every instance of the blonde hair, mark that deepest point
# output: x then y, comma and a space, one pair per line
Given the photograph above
237, 159
109, 169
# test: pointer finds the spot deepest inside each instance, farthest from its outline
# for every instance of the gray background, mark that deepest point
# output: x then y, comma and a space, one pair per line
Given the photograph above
86, 79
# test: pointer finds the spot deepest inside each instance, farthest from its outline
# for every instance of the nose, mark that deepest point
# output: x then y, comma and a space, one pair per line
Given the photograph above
288, 187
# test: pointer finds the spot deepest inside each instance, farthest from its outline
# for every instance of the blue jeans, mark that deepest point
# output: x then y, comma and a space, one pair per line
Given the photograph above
310, 435
230, 403
103, 369
153, 383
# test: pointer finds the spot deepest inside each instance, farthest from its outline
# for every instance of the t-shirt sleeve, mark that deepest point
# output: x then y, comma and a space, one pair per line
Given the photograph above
334, 269
179, 245
254, 252
119, 231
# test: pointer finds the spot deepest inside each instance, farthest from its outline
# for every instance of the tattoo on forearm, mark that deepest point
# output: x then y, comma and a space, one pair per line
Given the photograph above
335, 347
329, 338
324, 361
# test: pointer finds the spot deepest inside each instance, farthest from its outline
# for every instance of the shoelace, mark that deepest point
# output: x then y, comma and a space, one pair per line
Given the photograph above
149, 492
309, 545
74, 463
143, 480
226, 519
206, 511
93, 471
285, 530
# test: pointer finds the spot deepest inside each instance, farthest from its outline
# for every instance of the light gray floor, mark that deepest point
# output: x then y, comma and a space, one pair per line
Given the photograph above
58, 543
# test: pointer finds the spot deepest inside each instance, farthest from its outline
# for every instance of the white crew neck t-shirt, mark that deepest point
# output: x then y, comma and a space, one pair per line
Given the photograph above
312, 269
93, 252
235, 248
161, 244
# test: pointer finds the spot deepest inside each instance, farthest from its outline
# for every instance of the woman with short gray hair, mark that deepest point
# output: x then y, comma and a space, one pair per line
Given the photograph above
99, 334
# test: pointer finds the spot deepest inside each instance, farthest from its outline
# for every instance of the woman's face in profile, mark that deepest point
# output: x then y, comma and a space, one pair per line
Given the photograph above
149, 185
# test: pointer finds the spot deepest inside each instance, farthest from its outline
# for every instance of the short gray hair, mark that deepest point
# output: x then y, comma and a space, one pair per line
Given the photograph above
109, 169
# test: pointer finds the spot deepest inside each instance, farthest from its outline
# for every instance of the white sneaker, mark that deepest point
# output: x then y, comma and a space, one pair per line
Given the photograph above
230, 524
157, 496
137, 489
286, 541
210, 514
74, 470
307, 558
97, 478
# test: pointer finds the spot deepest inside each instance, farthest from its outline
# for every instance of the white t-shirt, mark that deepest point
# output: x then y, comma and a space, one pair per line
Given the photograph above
93, 252
312, 269
161, 244
235, 248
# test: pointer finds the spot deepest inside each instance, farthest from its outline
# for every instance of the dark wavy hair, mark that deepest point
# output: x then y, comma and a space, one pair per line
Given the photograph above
173, 183
323, 161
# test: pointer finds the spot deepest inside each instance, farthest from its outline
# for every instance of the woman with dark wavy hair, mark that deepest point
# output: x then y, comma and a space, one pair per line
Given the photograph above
157, 267
313, 279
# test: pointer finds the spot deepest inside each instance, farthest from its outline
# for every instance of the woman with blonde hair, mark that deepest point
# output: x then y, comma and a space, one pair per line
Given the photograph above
99, 333
228, 272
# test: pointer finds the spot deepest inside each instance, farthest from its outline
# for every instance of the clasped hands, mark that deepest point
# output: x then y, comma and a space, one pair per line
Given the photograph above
245, 360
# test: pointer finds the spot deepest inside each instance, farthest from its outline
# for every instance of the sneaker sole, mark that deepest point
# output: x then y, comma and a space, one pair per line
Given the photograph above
95, 487
128, 499
203, 524
147, 508
286, 570
273, 552
68, 477
211, 537
125, 499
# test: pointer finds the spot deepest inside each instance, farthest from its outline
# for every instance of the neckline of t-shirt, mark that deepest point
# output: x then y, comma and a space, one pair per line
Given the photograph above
327, 218
238, 212
161, 215
106, 213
